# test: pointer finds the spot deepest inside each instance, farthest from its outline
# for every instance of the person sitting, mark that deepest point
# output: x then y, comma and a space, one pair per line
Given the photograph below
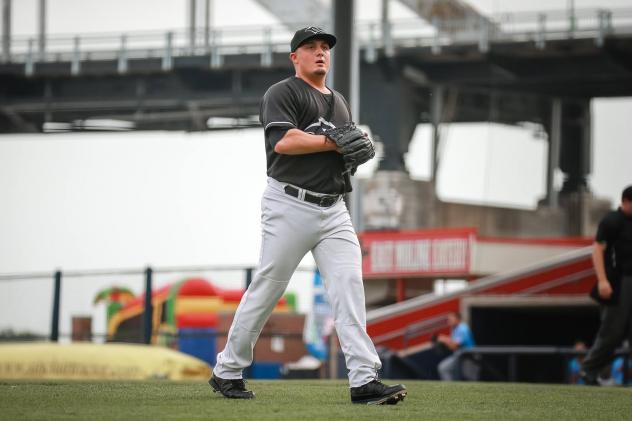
575, 364
460, 338
618, 371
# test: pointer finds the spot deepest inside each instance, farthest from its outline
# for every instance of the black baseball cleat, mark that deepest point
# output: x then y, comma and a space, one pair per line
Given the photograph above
377, 393
231, 388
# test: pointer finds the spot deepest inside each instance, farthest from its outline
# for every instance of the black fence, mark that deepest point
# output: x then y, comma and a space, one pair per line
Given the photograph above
147, 273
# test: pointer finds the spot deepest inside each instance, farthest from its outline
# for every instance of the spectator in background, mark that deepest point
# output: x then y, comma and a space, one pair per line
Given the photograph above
575, 365
460, 338
617, 374
612, 259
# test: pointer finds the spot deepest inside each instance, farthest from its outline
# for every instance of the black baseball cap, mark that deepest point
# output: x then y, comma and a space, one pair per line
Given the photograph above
311, 32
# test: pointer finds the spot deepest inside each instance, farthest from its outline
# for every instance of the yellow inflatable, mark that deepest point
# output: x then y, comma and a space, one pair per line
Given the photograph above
87, 361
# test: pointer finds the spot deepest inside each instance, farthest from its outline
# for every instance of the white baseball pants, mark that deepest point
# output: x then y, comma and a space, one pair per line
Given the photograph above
290, 228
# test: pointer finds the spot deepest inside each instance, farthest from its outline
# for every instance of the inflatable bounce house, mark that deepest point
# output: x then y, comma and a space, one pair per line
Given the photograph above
185, 315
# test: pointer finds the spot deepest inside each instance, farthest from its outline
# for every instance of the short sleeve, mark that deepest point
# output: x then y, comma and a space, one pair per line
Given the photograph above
607, 230
346, 106
459, 335
278, 108
274, 134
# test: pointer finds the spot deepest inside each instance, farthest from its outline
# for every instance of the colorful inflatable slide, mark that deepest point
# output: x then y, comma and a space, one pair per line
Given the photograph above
184, 315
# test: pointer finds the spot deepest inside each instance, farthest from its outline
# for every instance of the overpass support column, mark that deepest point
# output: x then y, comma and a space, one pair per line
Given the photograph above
576, 144
41, 30
555, 130
436, 111
390, 108
570, 145
342, 64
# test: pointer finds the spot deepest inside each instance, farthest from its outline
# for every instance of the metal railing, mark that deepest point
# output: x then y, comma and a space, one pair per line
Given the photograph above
411, 333
267, 40
512, 353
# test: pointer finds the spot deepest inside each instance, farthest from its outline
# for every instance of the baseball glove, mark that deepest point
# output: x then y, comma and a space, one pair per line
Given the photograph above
353, 143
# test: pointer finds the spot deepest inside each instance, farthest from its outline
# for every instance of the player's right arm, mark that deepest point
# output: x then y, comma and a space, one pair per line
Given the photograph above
279, 115
606, 235
297, 142
605, 289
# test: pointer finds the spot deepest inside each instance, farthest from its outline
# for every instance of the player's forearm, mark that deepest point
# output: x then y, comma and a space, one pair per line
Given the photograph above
598, 263
297, 142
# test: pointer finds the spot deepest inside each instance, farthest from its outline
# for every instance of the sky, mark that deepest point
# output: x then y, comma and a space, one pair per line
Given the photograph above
123, 200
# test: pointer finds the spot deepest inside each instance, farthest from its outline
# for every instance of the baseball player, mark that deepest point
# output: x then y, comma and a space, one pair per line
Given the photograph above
312, 148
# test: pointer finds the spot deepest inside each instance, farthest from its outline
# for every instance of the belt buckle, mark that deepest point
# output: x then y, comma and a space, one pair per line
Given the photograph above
291, 191
326, 201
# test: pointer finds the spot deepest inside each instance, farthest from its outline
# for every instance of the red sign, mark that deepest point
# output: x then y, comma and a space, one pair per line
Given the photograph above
416, 253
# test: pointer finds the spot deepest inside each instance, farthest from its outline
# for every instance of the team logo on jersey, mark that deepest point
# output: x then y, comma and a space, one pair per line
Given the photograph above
319, 127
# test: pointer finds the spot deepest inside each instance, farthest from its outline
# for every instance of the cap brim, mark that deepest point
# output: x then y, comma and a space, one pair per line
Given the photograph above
330, 39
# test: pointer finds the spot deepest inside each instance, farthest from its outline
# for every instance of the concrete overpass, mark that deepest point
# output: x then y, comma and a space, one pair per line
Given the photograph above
514, 68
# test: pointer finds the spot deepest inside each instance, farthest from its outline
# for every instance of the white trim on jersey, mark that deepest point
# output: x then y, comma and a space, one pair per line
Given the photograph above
279, 123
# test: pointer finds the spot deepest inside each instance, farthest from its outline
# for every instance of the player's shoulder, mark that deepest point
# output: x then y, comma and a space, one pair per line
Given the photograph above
337, 93
612, 222
341, 102
285, 87
613, 217
340, 97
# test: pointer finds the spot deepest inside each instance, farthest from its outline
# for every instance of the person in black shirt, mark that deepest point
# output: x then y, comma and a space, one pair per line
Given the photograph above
612, 259
303, 211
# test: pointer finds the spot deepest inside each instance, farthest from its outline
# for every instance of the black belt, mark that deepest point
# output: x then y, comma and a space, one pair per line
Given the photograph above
324, 201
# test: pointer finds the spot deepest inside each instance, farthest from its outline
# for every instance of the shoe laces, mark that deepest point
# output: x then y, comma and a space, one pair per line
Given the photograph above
237, 384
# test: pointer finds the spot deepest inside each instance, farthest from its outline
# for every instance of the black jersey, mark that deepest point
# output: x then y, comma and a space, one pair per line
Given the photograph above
615, 230
293, 103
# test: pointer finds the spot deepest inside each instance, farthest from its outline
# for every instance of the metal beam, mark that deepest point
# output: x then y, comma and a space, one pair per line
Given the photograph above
6, 30
208, 5
148, 328
41, 35
54, 328
554, 151
295, 14
387, 38
575, 144
436, 111
192, 24
343, 28
619, 57
199, 23
450, 15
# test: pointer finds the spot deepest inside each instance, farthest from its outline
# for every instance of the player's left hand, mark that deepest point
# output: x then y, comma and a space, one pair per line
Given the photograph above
354, 144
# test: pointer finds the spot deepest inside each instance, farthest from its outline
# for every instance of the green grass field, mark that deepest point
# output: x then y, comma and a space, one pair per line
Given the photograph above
291, 400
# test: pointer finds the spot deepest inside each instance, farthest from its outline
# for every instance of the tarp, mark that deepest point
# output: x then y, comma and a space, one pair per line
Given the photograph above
83, 361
